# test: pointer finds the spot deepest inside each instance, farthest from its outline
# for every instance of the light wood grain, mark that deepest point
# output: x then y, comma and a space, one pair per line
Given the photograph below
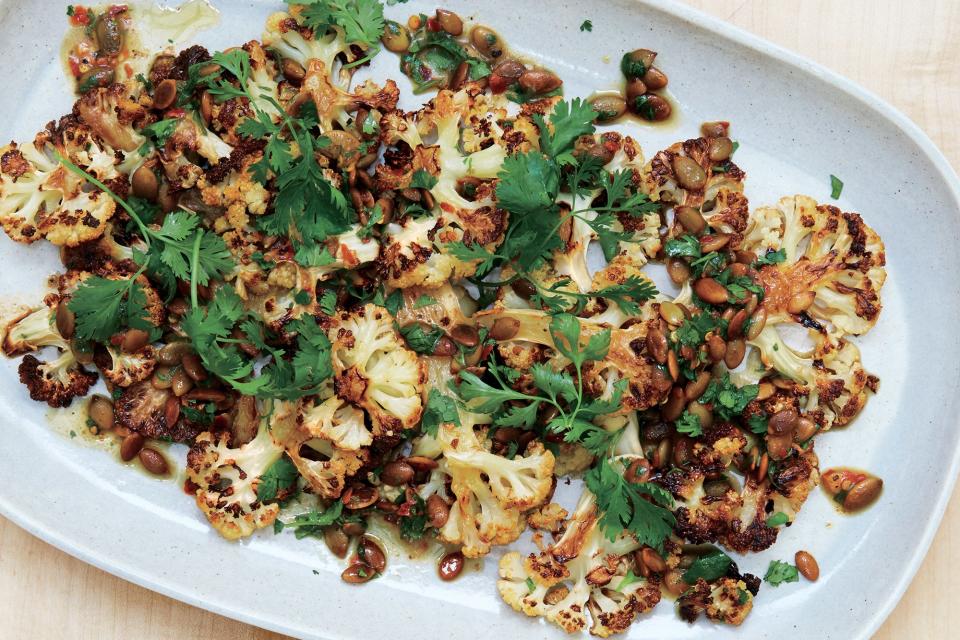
907, 52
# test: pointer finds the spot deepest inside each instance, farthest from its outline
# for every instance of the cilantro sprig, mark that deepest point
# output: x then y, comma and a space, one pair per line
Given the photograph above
179, 248
529, 185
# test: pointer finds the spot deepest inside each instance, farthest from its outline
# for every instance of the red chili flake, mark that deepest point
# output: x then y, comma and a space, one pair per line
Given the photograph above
433, 25
80, 17
117, 9
128, 69
446, 206
74, 67
175, 113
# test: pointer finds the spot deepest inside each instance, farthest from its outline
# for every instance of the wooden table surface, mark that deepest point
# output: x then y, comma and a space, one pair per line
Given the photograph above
907, 52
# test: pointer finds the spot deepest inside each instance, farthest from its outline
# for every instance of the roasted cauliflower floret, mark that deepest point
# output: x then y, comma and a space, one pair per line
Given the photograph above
373, 370
125, 369
842, 265
58, 382
659, 180
226, 481
141, 408
523, 482
727, 600
284, 35
583, 571
113, 115
338, 421
324, 466
831, 374
31, 331
41, 198
477, 519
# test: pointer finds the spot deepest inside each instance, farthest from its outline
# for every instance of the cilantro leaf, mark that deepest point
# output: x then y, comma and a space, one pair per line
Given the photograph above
770, 257
104, 307
423, 180
570, 120
472, 388
728, 399
689, 423
556, 384
623, 505
421, 340
586, 25
779, 572
758, 423
440, 409
328, 302
778, 519
709, 567
424, 301
836, 186
312, 523
362, 20
281, 475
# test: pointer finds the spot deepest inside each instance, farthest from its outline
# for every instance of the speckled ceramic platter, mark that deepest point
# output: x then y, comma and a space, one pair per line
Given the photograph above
796, 123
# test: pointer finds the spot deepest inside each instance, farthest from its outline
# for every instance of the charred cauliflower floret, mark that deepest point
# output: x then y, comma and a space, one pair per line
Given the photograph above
141, 408
124, 369
40, 198
113, 115
842, 265
727, 600
226, 481
661, 183
830, 374
583, 571
58, 382
31, 331
324, 466
373, 370
284, 35
187, 145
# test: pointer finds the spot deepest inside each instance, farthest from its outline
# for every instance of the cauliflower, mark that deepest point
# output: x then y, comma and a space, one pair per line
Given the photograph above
141, 408
413, 257
262, 84
659, 180
334, 103
293, 42
113, 115
239, 195
324, 466
58, 382
583, 571
727, 600
737, 519
77, 142
226, 481
522, 483
125, 369
33, 330
338, 421
373, 370
41, 198
831, 374
477, 519
842, 265
190, 137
